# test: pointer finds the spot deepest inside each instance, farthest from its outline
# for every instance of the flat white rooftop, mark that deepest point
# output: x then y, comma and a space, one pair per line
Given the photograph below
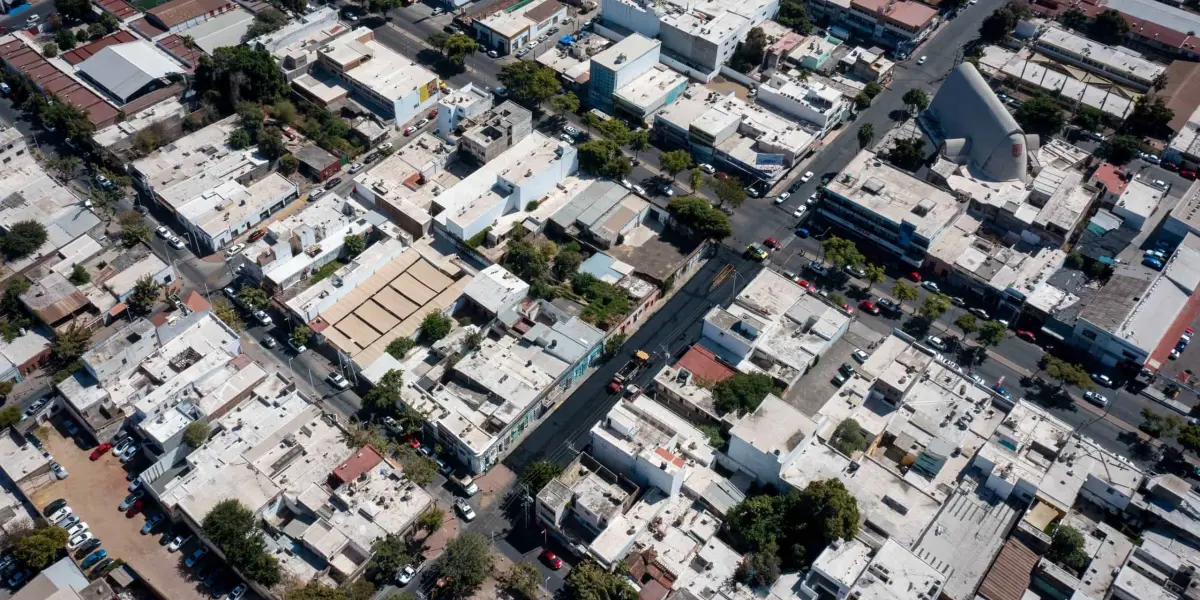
881, 189
1113, 59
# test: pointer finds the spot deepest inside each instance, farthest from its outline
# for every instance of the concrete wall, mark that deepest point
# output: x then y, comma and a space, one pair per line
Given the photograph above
629, 16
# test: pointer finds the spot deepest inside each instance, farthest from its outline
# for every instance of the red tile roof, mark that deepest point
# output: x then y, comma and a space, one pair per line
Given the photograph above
118, 8
1110, 176
47, 77
175, 12
703, 364
83, 53
667, 456
1010, 574
146, 28
174, 46
362, 461
196, 302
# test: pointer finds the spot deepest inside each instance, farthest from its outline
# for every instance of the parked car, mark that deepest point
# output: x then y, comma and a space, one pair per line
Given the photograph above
915, 276
177, 243
129, 453
130, 499
77, 529
18, 577
298, 349
102, 566
136, 509
936, 343
124, 443
869, 307
88, 547
818, 268
54, 507
269, 342
860, 356
262, 317
175, 543
1102, 379
237, 592
151, 523
60, 515
356, 167
162, 232
315, 194
707, 168
780, 199
234, 250
79, 540
931, 286
799, 212
887, 305
552, 561
337, 381
979, 312
71, 427
464, 509
1027, 336
100, 450
59, 470
196, 556
405, 575
257, 235
332, 183
94, 558
856, 271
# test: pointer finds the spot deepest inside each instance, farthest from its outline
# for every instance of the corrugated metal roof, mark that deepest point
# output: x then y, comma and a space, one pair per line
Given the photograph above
125, 69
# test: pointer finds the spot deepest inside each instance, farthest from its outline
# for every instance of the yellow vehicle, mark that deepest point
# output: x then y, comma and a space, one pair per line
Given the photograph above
756, 251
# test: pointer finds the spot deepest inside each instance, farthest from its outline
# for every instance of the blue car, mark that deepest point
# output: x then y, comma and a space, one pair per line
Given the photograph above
94, 558
1153, 263
802, 232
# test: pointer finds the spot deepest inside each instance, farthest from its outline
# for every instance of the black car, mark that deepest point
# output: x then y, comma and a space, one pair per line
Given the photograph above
87, 547
53, 507
101, 567
887, 305
333, 183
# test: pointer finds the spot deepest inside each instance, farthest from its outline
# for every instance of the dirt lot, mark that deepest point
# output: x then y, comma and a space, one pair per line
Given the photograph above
94, 490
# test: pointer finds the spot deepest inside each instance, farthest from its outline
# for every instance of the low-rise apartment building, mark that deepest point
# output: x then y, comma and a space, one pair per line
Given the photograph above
509, 29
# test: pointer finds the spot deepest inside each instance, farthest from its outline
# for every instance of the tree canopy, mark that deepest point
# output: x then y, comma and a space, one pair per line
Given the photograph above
743, 392
1065, 373
1042, 115
146, 292
1119, 149
699, 215
991, 333
1067, 547
465, 564
459, 47
792, 14
750, 52
529, 82
842, 252
675, 161
537, 474
196, 433
9, 415
1158, 426
815, 516
935, 306
382, 397
604, 158
232, 527
23, 239
907, 153
1149, 117
435, 326
239, 73
588, 581
1109, 27
916, 98
40, 548
729, 191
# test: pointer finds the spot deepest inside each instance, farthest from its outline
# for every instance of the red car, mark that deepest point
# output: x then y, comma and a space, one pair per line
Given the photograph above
433, 114
846, 307
100, 450
135, 509
1189, 331
551, 560
1027, 336
772, 243
257, 235
804, 283
1186, 174
915, 276
409, 130
869, 306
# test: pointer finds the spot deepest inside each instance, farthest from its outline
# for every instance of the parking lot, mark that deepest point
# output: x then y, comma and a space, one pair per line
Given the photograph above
818, 385
94, 490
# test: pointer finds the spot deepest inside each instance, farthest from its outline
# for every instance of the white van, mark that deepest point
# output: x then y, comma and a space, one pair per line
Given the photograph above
467, 485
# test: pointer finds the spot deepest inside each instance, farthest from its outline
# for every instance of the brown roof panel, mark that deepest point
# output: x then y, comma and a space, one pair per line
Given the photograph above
118, 8
82, 53
1182, 94
1010, 574
146, 28
179, 11
543, 11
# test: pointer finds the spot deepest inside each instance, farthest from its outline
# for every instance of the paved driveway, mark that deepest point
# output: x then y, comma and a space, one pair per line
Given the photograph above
94, 490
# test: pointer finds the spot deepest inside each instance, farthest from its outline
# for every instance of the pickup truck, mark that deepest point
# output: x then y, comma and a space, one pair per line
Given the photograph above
628, 371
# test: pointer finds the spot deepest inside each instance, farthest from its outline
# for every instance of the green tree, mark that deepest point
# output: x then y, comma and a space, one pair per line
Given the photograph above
589, 581
417, 468
465, 564
300, 335
917, 99
1067, 547
41, 548
383, 6
866, 132
74, 10
675, 161
695, 179
23, 239
998, 25
529, 82
383, 396
604, 158
565, 103
526, 261
566, 264
231, 526
227, 523
1064, 372
700, 217
400, 347
1074, 19
792, 14
614, 130
239, 73
227, 314
196, 433
743, 392
1119, 149
872, 89
967, 323
9, 416
459, 47
270, 143
1042, 115
288, 164
284, 112
265, 22
389, 555
431, 519
1109, 27
435, 326
1158, 426
50, 50
935, 306
759, 569
254, 297
904, 292
438, 40
1149, 117
1088, 119
873, 274
539, 473
849, 438
134, 229
79, 274
523, 580
750, 52
613, 344
355, 244
146, 292
1189, 436
729, 191
639, 141
842, 252
65, 39
95, 31
991, 333
907, 153
862, 101
240, 140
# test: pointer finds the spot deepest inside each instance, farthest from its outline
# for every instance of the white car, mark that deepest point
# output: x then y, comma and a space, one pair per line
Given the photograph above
936, 342
780, 199
468, 513
129, 453
234, 250
625, 183
806, 176
163, 232
59, 470
921, 61
176, 243
77, 529
982, 314
813, 198
860, 356
337, 381
438, 10
79, 540
356, 167
61, 515
317, 193
1095, 398
176, 543
237, 592
707, 168
641, 191
931, 286
799, 212
262, 317
405, 575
